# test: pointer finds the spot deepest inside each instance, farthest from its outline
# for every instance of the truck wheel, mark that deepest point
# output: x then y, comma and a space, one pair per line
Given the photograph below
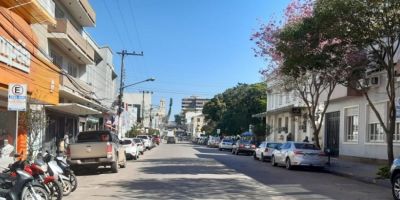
114, 167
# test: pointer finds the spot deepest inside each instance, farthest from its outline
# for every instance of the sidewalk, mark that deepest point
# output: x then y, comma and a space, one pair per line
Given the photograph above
357, 170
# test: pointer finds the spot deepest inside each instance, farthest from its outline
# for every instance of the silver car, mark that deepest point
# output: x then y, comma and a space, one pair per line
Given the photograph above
265, 149
225, 144
298, 154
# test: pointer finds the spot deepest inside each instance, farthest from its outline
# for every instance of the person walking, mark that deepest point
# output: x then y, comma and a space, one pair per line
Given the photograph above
306, 139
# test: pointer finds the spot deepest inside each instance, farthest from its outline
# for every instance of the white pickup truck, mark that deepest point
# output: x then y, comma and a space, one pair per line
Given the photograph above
97, 148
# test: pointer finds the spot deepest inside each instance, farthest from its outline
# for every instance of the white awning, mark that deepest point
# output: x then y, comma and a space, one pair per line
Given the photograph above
73, 108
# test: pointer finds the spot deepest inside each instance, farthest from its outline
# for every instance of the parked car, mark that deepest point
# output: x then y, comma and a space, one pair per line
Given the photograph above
225, 144
97, 148
171, 140
298, 154
213, 142
265, 149
140, 144
243, 146
147, 141
131, 148
395, 178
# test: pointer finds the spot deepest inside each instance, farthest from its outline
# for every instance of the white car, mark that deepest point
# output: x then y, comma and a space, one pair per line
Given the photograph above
140, 144
298, 154
225, 144
265, 149
131, 148
147, 141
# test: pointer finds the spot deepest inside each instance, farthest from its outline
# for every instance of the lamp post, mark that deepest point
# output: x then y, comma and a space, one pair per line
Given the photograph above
120, 97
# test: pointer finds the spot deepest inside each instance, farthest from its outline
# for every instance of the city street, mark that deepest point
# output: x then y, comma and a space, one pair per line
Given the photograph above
186, 171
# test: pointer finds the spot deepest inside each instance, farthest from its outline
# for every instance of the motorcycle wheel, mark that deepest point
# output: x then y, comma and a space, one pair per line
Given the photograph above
74, 182
67, 187
41, 193
56, 190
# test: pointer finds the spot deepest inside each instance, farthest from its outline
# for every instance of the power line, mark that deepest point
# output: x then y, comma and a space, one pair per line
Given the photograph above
125, 24
115, 26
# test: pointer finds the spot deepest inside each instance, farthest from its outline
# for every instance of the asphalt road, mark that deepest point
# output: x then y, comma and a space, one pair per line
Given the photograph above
186, 171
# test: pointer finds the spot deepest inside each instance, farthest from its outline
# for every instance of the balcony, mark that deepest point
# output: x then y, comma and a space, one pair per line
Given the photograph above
65, 35
81, 10
76, 86
33, 11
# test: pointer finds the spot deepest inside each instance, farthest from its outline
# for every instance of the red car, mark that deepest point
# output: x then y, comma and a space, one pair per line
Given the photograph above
156, 140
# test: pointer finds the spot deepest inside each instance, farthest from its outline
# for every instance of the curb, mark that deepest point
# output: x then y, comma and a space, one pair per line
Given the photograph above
381, 182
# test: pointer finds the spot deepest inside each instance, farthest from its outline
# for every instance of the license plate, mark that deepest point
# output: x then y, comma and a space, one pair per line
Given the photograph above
247, 147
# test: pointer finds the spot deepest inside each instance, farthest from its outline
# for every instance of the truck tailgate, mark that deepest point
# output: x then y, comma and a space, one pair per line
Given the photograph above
88, 150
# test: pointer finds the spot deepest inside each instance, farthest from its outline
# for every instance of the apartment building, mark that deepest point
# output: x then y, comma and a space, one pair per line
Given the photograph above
193, 103
23, 61
142, 102
286, 114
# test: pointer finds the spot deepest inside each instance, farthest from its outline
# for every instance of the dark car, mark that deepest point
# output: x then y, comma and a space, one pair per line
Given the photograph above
395, 178
171, 140
244, 146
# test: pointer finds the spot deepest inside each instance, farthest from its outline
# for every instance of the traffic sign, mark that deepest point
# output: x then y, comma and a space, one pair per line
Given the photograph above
17, 97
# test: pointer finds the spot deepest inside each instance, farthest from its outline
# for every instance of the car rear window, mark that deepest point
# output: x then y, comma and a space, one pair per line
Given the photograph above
125, 142
306, 146
273, 145
227, 141
137, 140
95, 136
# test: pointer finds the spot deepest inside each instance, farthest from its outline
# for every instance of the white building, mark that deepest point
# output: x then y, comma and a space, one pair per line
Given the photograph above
195, 125
286, 114
142, 102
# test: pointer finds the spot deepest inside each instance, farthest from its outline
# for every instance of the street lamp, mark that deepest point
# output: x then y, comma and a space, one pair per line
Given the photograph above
121, 93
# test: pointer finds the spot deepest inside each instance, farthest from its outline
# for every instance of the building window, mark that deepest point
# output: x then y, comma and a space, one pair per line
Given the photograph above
396, 136
280, 99
73, 70
279, 123
375, 133
352, 128
57, 59
286, 124
287, 97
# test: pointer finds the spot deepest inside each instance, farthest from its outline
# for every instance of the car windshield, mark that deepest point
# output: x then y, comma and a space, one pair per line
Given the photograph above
274, 145
227, 141
306, 146
95, 136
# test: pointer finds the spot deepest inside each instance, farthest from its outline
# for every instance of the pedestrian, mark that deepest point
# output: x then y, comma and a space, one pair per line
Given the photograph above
306, 139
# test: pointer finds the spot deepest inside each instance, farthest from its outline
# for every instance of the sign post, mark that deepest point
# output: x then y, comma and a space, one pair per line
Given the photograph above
16, 102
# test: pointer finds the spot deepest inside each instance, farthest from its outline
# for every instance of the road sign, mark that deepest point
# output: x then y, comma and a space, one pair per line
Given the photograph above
17, 97
218, 131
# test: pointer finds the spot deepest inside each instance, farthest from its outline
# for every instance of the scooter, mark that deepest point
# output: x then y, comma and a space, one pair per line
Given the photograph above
55, 170
16, 184
67, 171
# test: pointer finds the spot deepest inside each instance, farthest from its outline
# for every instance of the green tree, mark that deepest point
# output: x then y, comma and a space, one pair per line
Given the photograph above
232, 110
372, 25
178, 119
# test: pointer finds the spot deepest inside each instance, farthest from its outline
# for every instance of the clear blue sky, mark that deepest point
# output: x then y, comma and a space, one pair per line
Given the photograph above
191, 47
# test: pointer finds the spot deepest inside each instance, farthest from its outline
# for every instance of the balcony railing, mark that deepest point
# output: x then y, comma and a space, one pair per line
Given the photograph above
64, 26
49, 6
76, 85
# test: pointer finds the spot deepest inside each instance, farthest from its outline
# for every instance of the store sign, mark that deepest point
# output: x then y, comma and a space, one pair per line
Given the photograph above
14, 55
17, 97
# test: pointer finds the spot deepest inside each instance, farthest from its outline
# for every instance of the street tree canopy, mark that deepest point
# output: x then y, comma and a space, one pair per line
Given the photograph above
232, 110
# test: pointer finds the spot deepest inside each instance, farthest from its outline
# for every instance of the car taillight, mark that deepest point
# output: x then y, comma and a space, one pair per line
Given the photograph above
298, 153
68, 152
109, 150
241, 145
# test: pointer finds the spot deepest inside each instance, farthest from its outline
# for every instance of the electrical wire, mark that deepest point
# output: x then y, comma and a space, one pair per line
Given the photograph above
124, 22
115, 26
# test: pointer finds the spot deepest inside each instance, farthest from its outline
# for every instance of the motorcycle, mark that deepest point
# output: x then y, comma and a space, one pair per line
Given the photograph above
16, 184
67, 171
39, 170
55, 170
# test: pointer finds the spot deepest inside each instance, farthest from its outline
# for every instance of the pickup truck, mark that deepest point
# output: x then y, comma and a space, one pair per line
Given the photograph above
97, 148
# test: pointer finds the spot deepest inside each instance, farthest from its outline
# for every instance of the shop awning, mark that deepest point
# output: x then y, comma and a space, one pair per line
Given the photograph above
73, 108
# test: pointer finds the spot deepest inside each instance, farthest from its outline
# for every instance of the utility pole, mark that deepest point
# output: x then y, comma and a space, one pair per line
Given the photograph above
123, 53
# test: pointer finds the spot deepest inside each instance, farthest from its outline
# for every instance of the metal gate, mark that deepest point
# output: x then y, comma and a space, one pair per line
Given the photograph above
332, 132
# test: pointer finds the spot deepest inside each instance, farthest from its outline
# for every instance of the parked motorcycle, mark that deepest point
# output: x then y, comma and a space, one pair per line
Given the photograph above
39, 170
16, 184
67, 171
55, 170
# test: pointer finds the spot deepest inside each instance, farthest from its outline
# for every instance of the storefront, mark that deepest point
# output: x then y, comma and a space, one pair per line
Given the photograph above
21, 61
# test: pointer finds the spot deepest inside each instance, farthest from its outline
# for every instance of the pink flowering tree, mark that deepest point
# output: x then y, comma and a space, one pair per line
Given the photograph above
309, 61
